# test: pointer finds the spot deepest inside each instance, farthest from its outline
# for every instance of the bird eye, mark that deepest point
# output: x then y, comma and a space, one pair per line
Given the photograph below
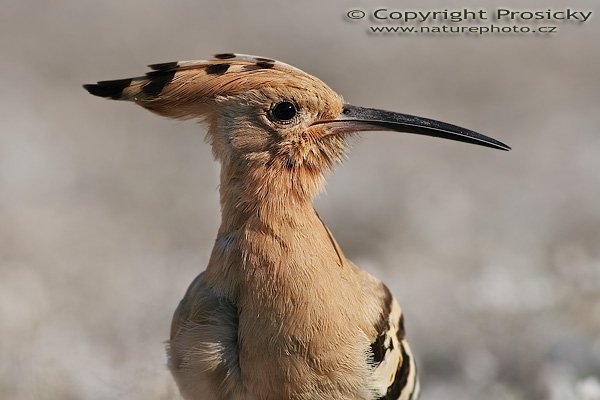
284, 111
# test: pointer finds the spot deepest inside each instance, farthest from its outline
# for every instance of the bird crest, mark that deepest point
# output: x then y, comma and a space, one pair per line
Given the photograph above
186, 89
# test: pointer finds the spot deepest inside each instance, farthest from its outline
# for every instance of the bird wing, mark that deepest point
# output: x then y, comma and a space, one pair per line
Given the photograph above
394, 373
203, 350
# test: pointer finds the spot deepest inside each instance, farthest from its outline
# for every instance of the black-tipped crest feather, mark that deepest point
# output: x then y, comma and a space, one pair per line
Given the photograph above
110, 89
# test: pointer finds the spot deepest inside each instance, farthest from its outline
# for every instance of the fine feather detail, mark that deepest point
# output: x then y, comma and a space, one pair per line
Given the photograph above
203, 350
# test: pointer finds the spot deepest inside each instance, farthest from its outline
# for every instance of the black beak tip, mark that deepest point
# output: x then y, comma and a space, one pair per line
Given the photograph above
501, 146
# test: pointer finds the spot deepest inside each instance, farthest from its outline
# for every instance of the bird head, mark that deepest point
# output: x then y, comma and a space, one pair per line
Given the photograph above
267, 117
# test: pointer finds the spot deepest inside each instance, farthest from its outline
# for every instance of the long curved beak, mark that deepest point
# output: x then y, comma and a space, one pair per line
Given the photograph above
354, 119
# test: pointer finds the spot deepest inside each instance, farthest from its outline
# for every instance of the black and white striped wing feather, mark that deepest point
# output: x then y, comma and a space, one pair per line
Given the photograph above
394, 372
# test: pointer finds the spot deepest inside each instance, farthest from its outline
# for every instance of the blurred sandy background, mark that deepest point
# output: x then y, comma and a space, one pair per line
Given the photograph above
108, 212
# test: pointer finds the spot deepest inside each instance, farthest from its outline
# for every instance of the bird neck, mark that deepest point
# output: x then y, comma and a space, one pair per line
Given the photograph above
274, 195
269, 233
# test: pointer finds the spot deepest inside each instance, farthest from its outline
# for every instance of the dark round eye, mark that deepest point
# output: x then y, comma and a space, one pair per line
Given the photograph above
284, 111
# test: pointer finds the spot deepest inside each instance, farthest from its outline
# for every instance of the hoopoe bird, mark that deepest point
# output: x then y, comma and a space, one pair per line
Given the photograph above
279, 312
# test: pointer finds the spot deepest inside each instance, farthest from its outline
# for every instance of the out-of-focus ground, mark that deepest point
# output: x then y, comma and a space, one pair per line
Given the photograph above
108, 212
